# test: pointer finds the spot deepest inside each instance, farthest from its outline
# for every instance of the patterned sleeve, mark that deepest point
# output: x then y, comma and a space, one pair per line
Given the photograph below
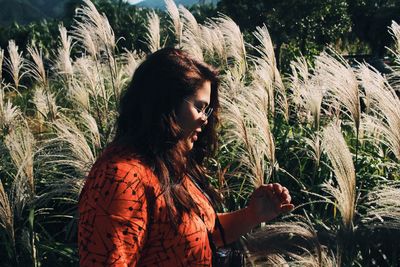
113, 217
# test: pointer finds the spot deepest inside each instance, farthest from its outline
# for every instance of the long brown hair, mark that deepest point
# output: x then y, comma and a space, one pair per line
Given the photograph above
148, 124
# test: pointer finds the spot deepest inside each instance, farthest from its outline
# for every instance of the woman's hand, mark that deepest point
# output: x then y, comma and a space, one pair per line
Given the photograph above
269, 201
266, 203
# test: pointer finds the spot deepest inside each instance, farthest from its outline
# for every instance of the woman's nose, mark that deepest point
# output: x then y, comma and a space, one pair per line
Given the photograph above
204, 120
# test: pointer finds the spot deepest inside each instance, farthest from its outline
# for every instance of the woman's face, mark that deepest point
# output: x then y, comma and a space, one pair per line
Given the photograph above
190, 114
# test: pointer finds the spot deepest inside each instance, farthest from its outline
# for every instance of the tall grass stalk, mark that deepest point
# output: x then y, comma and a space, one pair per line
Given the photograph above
384, 207
342, 165
152, 37
76, 154
307, 92
345, 192
341, 83
63, 62
94, 30
191, 34
266, 63
342, 86
7, 220
247, 121
213, 42
1, 68
22, 148
384, 108
15, 64
234, 42
10, 115
176, 22
292, 243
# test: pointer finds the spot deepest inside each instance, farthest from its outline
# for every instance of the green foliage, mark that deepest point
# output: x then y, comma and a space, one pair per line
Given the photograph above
308, 25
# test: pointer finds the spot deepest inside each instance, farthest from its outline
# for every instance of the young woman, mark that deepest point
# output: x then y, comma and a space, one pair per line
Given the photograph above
147, 201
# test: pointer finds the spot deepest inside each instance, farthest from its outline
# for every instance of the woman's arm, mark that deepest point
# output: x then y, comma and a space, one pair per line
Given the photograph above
266, 203
113, 218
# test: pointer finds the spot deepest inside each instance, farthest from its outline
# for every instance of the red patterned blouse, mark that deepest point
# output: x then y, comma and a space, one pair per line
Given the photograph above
115, 228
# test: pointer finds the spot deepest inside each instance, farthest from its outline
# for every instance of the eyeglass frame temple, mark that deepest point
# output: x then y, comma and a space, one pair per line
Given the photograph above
204, 114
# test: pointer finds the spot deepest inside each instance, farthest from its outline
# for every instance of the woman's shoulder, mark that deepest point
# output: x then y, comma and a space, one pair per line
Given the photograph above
119, 164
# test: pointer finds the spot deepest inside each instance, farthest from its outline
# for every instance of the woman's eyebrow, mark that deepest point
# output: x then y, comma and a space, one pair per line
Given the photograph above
201, 102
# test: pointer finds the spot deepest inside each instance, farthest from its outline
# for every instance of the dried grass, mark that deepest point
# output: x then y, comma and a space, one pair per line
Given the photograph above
152, 37
383, 207
383, 106
176, 22
15, 64
342, 85
342, 164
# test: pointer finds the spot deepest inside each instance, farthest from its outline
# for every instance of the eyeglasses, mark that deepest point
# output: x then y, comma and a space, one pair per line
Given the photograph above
205, 111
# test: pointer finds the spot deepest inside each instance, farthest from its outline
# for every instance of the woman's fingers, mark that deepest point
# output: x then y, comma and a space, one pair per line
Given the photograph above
287, 208
276, 192
277, 188
285, 196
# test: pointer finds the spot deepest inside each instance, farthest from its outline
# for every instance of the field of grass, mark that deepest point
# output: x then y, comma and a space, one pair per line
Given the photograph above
328, 131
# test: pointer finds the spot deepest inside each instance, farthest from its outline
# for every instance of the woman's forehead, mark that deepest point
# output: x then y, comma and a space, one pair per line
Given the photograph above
204, 91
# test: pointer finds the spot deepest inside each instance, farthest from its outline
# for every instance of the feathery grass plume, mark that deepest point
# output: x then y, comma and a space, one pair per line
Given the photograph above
293, 243
22, 148
92, 130
237, 132
121, 79
314, 147
84, 35
6, 216
265, 48
384, 107
380, 133
394, 75
88, 71
189, 21
263, 80
307, 92
72, 151
77, 154
298, 78
383, 207
374, 85
176, 23
94, 31
253, 104
394, 30
89, 76
268, 71
45, 103
1, 67
281, 99
206, 40
312, 96
15, 64
152, 37
247, 125
342, 165
36, 68
341, 83
94, 28
79, 94
191, 35
132, 60
63, 62
234, 42
10, 115
213, 42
